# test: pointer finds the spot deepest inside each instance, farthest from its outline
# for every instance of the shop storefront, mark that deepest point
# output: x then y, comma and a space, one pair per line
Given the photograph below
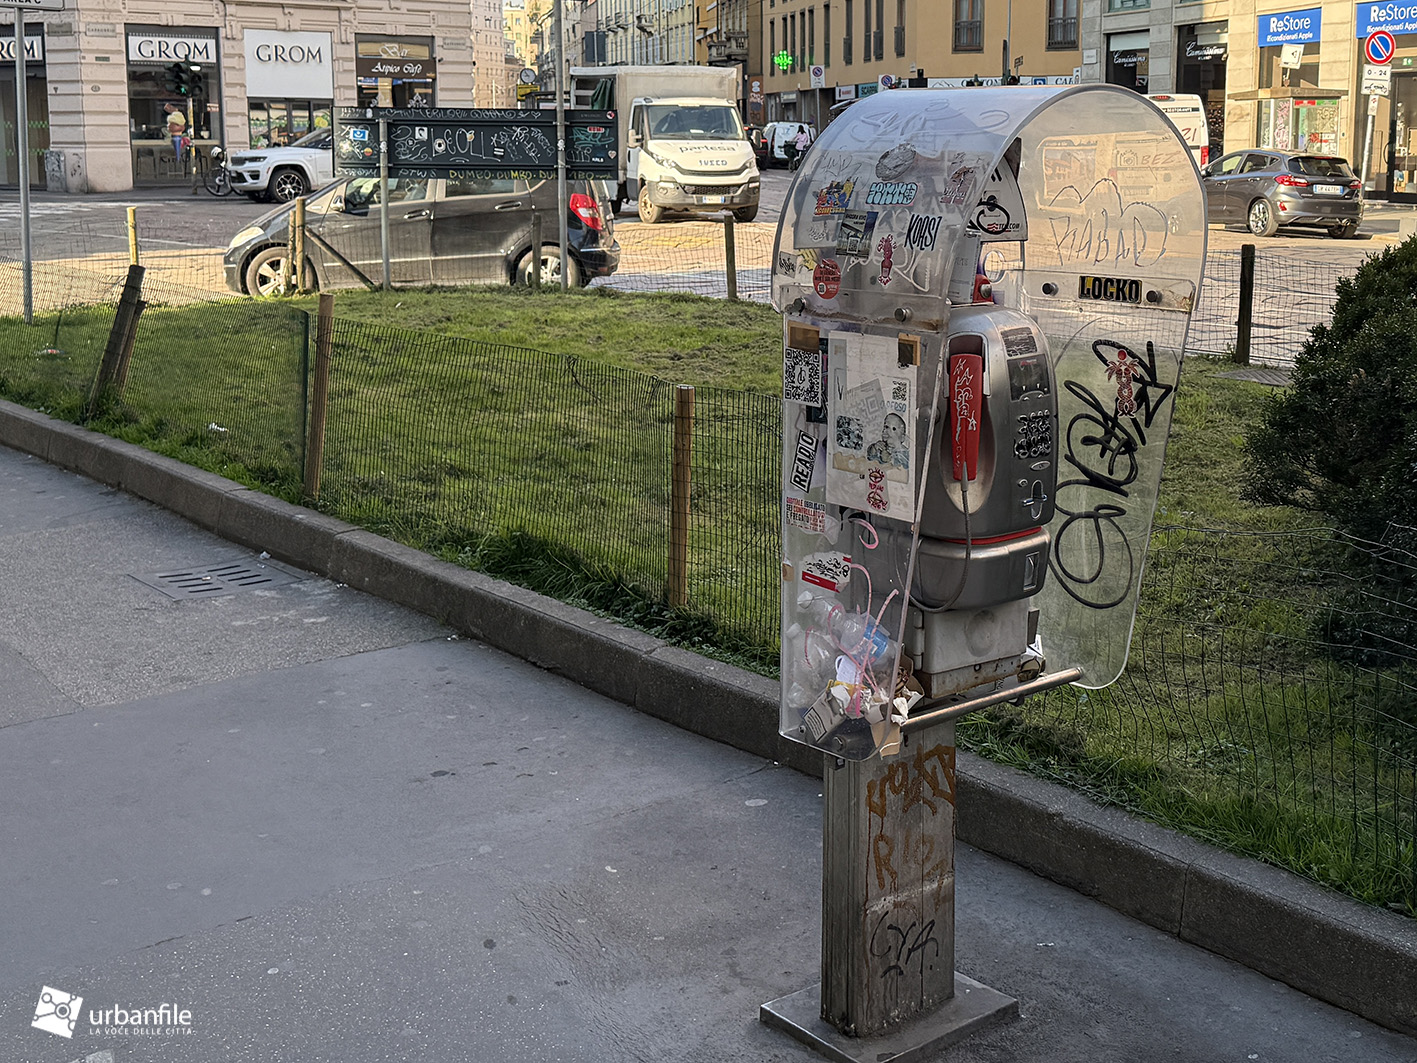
1293, 112
36, 105
1201, 54
1129, 60
290, 79
395, 71
1392, 159
153, 99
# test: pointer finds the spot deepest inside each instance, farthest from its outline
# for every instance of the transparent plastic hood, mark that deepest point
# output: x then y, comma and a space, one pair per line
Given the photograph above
1083, 209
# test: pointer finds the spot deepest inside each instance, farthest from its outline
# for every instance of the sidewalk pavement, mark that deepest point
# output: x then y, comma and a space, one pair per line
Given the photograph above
331, 828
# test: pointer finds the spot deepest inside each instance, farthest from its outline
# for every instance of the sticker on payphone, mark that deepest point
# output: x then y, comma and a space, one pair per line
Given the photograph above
870, 418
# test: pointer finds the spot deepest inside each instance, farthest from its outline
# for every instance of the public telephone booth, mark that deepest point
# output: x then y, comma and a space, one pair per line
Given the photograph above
985, 297
985, 294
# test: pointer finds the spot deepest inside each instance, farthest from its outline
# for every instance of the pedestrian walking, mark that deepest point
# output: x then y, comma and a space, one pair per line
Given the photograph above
802, 142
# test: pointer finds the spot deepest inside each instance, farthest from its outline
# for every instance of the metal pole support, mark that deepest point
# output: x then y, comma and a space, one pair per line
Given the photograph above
679, 496
730, 256
22, 153
1247, 305
319, 394
384, 200
535, 278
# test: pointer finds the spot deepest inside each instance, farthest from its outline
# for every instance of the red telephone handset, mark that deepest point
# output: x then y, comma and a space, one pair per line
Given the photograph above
966, 399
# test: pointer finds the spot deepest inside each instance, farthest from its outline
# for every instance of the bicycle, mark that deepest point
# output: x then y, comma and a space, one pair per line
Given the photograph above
217, 179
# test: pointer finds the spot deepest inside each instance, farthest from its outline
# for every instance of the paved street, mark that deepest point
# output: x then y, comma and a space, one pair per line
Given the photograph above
330, 830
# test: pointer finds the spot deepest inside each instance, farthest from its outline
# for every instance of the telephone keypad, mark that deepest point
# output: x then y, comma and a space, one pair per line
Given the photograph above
1033, 437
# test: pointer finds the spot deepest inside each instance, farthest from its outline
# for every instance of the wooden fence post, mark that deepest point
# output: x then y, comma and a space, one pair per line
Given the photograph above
319, 394
287, 269
120, 338
730, 255
1247, 304
132, 236
679, 496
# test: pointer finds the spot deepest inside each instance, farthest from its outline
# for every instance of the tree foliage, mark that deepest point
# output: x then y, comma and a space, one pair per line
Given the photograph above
1342, 440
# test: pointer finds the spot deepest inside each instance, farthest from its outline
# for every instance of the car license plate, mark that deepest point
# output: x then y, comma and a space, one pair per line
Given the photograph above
713, 199
1329, 190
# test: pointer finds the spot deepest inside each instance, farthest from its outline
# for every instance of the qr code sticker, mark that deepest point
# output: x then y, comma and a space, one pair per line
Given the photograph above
802, 377
900, 391
849, 435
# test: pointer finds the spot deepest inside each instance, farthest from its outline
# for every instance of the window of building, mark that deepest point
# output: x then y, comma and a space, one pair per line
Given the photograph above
1063, 24
796, 55
846, 40
899, 27
811, 35
1126, 5
826, 35
969, 26
880, 29
772, 47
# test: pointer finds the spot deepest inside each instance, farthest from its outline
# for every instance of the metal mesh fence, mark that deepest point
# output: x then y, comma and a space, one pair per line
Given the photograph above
1265, 707
1268, 705
1292, 294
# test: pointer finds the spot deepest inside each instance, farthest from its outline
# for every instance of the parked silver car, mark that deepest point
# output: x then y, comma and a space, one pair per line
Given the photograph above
1265, 190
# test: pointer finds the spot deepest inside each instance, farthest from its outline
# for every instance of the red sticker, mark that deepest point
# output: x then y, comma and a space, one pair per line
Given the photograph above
826, 278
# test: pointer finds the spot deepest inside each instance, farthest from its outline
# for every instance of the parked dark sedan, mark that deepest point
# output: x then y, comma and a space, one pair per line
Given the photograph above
455, 230
1265, 190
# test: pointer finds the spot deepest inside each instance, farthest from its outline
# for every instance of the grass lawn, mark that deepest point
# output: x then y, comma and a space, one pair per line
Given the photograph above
528, 435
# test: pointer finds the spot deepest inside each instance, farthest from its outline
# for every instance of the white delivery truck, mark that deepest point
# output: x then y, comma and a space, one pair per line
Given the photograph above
1187, 113
682, 142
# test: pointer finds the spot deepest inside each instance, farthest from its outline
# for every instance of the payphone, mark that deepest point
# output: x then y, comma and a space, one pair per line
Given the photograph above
952, 267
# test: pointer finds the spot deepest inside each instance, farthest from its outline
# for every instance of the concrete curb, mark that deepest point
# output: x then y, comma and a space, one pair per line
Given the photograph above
1351, 955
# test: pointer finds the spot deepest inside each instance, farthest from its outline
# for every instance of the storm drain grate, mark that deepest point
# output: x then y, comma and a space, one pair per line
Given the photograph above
218, 581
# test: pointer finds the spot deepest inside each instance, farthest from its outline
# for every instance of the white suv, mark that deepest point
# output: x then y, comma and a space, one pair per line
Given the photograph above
284, 173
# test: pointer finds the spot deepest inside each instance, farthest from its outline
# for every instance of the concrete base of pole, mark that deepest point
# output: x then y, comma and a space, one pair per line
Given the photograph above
973, 1008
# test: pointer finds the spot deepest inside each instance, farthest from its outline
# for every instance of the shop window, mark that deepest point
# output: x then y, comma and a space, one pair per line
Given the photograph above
1273, 74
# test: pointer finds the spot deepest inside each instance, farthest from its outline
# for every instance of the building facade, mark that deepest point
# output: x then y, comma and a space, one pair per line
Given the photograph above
1273, 74
491, 86
100, 92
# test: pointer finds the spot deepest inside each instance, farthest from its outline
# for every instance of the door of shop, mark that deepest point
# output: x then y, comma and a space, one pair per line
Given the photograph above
1402, 139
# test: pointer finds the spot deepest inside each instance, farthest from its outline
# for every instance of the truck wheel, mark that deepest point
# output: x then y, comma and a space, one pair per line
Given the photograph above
746, 213
287, 184
649, 213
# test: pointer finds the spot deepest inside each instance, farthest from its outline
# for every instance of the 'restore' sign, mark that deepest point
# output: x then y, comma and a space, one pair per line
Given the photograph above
1396, 17
1290, 27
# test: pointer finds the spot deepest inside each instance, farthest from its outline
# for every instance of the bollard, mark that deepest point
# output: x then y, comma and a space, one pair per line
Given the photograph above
534, 279
1247, 303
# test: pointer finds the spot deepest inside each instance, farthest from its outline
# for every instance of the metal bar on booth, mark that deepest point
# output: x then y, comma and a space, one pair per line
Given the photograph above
561, 199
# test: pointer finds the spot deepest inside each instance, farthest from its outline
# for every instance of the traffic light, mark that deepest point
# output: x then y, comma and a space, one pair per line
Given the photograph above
184, 79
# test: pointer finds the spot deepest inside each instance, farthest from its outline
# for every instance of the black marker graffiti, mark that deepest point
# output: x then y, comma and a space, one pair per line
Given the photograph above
900, 947
1102, 444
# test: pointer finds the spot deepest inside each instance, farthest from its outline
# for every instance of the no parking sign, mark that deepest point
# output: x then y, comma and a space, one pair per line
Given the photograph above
1379, 46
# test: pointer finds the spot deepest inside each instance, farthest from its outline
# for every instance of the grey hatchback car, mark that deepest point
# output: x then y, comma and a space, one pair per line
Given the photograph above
1265, 190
